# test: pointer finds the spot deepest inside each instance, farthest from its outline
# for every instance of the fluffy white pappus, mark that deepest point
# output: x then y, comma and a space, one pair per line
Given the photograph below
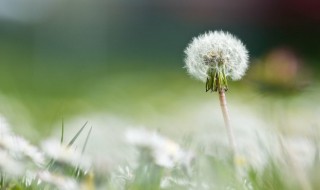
207, 50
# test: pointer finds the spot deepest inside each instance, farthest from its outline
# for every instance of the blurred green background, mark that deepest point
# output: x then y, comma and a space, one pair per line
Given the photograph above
61, 58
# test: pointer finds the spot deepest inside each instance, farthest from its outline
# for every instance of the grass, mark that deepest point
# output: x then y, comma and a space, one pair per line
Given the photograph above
163, 99
169, 166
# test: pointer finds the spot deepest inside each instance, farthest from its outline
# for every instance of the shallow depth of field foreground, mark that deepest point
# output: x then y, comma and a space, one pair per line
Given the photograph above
159, 95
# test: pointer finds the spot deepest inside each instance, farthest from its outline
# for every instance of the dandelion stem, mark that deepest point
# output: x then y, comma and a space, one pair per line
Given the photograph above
224, 109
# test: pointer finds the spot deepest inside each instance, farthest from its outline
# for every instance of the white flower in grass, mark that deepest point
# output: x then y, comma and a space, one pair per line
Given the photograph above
122, 176
61, 182
125, 173
165, 152
214, 56
66, 154
9, 165
19, 147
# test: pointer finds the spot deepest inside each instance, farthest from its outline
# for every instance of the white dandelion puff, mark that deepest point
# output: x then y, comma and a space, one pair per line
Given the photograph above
214, 56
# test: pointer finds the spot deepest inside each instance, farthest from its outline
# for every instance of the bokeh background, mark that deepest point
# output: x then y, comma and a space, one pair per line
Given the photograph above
80, 58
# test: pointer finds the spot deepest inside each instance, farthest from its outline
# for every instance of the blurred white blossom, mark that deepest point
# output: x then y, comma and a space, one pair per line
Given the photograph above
61, 182
66, 154
10, 166
29, 177
20, 147
17, 148
121, 176
165, 152
106, 147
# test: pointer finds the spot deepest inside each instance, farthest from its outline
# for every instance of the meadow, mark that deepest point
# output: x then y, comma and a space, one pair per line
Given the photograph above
151, 127
97, 95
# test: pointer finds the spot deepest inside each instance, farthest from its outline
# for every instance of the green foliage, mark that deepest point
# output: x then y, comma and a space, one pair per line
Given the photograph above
272, 177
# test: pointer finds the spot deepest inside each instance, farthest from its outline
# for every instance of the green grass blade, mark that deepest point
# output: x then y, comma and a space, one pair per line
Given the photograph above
86, 141
76, 136
62, 131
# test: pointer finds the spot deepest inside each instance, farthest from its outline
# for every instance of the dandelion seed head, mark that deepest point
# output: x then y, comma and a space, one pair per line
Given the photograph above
216, 51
